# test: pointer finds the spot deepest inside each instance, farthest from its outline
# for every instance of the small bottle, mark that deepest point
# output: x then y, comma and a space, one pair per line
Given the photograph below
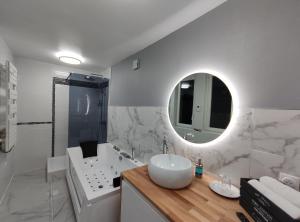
199, 169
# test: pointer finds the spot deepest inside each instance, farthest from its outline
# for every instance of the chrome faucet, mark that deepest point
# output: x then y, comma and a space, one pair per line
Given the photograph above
132, 153
188, 135
165, 146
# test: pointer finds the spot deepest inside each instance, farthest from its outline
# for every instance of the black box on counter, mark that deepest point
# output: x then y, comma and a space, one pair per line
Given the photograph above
255, 209
252, 211
259, 206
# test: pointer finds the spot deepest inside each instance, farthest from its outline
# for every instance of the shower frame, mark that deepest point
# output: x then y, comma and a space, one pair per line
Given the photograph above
68, 82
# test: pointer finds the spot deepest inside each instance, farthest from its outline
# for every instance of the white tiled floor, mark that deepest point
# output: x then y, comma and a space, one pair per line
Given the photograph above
28, 199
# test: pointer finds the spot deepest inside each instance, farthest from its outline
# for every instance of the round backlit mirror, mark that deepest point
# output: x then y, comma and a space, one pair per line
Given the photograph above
200, 108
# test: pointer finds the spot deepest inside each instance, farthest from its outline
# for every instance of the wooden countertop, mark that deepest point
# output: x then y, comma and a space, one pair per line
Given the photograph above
196, 203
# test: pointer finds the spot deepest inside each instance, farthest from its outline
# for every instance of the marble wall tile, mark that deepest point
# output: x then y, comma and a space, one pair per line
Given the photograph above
142, 128
262, 142
145, 127
277, 132
265, 164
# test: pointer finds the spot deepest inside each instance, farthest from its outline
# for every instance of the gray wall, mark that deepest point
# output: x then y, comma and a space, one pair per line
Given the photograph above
255, 43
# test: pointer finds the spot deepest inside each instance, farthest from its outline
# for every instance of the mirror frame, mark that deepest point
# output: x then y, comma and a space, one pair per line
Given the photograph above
235, 108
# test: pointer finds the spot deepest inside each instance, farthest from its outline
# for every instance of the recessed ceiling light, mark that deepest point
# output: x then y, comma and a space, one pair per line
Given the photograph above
70, 58
185, 85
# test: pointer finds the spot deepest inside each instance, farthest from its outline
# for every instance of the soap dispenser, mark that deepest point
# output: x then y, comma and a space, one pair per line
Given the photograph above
199, 169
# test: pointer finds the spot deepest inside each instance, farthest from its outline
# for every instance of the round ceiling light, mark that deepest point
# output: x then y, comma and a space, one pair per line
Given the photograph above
69, 60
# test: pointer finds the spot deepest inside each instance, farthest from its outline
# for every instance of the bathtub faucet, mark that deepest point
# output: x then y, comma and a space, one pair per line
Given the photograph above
132, 153
165, 146
188, 135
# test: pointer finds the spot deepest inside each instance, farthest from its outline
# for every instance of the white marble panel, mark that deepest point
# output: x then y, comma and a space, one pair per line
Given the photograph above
140, 127
270, 139
145, 127
277, 132
265, 164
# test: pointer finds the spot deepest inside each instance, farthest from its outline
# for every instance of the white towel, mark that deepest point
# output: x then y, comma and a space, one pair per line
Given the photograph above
284, 191
282, 203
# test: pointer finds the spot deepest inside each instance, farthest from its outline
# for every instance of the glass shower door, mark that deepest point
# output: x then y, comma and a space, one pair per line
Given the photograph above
80, 111
84, 115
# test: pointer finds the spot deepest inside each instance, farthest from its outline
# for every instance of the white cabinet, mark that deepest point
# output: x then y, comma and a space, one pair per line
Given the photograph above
136, 208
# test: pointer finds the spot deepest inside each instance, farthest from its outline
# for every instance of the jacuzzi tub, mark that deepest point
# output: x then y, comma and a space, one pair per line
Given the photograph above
90, 182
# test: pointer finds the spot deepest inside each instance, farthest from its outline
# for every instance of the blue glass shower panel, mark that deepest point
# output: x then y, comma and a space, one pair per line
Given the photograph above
84, 115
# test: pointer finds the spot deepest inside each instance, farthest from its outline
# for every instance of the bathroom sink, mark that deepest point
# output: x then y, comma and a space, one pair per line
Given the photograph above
170, 171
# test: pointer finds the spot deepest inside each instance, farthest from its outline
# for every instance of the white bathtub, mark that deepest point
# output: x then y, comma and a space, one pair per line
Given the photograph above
90, 183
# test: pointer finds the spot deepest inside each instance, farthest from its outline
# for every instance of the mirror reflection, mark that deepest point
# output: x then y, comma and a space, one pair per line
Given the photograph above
200, 108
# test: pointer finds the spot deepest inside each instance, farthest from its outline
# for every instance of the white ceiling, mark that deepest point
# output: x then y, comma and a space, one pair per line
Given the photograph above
102, 31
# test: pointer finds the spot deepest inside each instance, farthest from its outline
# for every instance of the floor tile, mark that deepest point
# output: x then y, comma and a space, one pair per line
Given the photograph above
29, 199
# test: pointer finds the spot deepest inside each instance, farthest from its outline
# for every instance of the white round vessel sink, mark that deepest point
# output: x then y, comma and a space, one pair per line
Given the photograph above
170, 171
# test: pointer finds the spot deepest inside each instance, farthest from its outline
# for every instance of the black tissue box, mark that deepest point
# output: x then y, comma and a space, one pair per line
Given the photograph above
260, 208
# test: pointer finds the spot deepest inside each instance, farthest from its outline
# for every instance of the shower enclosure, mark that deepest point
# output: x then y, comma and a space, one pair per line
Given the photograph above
79, 111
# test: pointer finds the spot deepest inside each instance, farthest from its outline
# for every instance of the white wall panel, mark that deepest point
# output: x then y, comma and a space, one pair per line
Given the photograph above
61, 119
33, 147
